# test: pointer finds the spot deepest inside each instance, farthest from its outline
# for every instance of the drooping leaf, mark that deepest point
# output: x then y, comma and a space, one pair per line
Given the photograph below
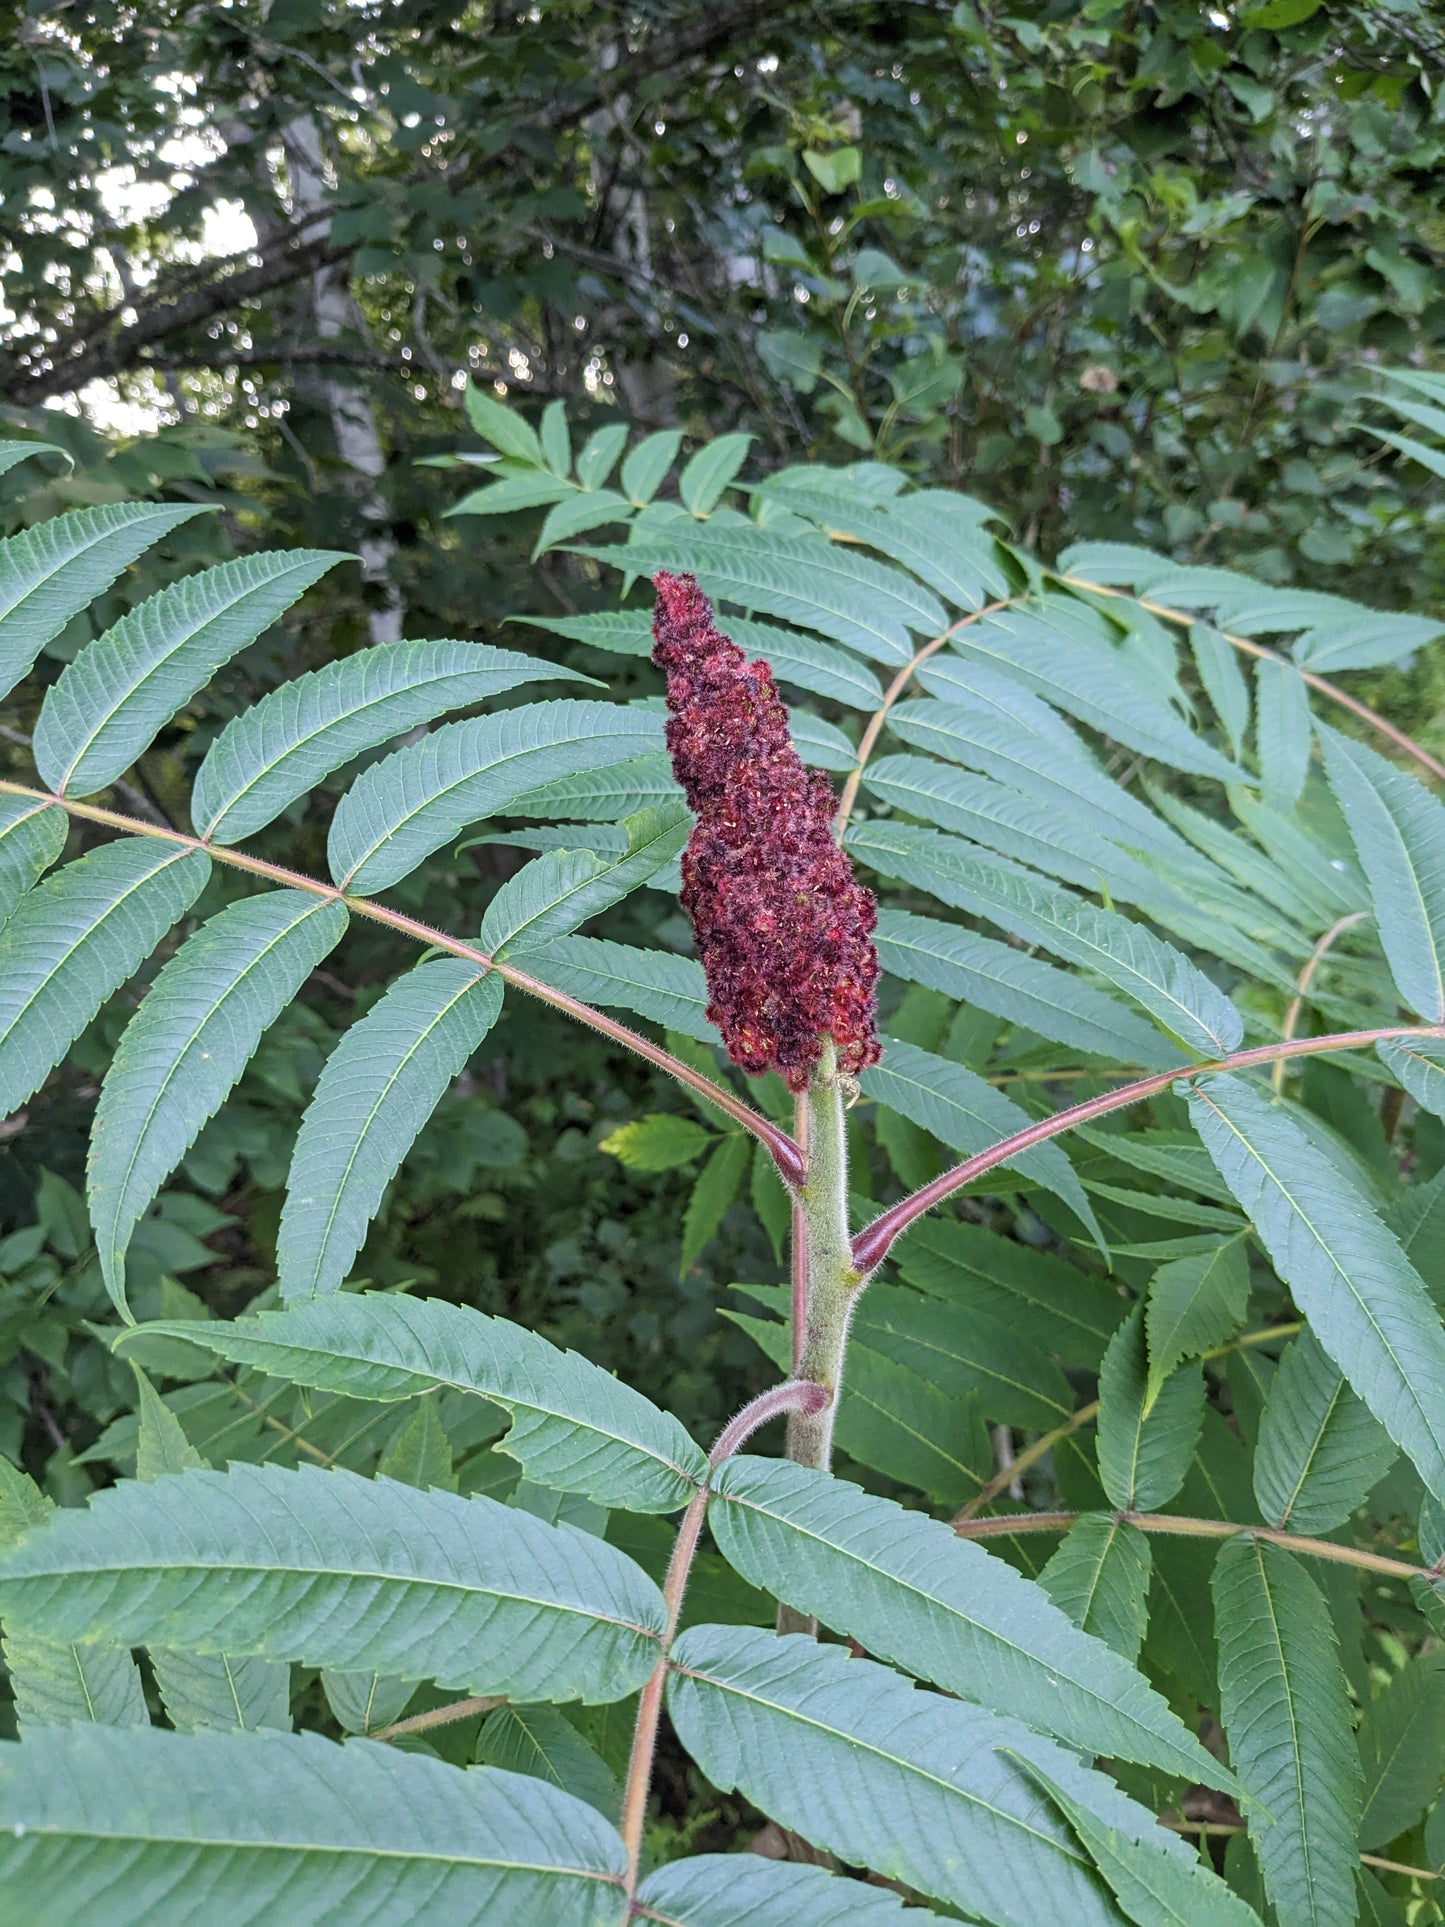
1099, 1577
1320, 1451
298, 734
123, 1827
744, 1890
1402, 1749
926, 1790
1132, 958
575, 1428
74, 939
32, 835
1024, 990
654, 983
1399, 835
378, 1088
419, 798
908, 1590
1286, 1711
115, 695
333, 1570
1144, 1449
1194, 1303
186, 1046
1153, 1887
562, 889
718, 1183
1364, 1300
544, 1743
49, 573
969, 1115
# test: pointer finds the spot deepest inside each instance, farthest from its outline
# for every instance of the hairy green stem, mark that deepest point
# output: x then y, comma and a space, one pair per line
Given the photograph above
785, 1154
832, 1280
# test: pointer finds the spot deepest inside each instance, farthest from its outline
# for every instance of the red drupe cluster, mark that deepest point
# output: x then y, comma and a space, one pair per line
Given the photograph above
783, 927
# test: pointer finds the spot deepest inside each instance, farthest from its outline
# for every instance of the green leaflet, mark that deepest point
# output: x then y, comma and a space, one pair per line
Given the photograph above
1224, 682
329, 1569
969, 1115
803, 579
49, 573
1151, 1885
32, 835
1025, 990
1145, 1448
1286, 1711
603, 795
653, 983
1399, 835
1194, 1303
1320, 1451
380, 1085
744, 1890
288, 742
56, 1683
1281, 731
13, 453
908, 1590
718, 1183
807, 663
1015, 1380
1417, 1063
563, 888
74, 939
186, 1046
1099, 1575
365, 1702
544, 1743
1402, 1748
418, 798
926, 1790
1162, 979
109, 702
122, 1827
575, 1428
1345, 1269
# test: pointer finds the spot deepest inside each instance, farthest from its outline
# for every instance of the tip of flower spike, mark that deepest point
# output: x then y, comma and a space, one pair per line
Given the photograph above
783, 928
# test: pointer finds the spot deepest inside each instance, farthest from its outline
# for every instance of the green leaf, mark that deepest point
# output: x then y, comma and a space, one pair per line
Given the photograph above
708, 473
421, 1452
365, 1702
603, 795
540, 904
123, 1827
13, 453
660, 1142
1024, 990
503, 427
297, 735
1402, 1748
835, 168
926, 1790
1099, 1576
909, 1591
1217, 661
1014, 1378
575, 514
717, 1185
418, 798
378, 1088
575, 1428
808, 663
1286, 1710
1282, 731
744, 1890
511, 493
77, 937
1144, 1448
556, 438
53, 1682
51, 572
1154, 1888
161, 1443
1346, 1272
184, 1049
647, 465
1417, 1063
1320, 1451
1194, 1303
654, 983
1162, 979
966, 1113
115, 695
803, 579
329, 1569
1399, 835
32, 835
540, 1741
598, 455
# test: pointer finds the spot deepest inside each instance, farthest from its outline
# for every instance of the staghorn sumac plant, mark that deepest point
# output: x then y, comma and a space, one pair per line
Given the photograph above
1160, 1185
